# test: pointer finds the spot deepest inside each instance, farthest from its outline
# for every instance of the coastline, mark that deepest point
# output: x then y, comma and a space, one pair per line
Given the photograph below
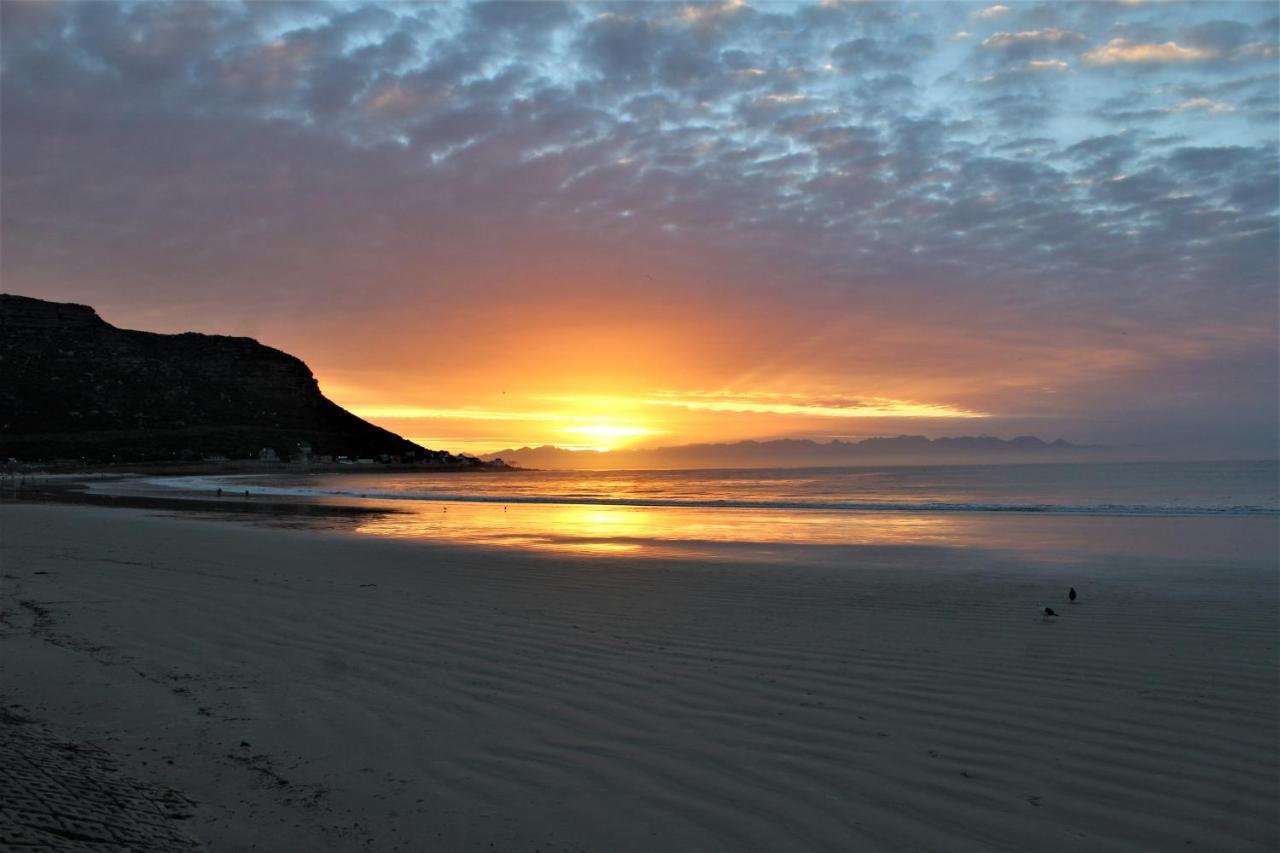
316, 689
241, 466
573, 515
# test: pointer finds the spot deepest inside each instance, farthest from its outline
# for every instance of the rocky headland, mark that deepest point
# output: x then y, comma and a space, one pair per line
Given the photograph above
74, 387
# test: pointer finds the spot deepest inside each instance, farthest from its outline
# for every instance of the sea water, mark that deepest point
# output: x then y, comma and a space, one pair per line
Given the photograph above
1218, 509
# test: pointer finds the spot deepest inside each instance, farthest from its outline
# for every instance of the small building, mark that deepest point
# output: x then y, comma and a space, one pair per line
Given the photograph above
268, 454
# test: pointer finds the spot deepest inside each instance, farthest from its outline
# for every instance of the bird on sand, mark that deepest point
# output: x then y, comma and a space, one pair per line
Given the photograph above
1047, 612
1071, 594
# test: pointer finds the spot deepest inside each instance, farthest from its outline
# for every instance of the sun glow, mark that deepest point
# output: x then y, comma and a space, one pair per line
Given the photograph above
608, 436
644, 419
608, 430
782, 404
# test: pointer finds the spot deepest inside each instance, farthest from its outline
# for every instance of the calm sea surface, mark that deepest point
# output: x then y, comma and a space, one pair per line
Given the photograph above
1216, 508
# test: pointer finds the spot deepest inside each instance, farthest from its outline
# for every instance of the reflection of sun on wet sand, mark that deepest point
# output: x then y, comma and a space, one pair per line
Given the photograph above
758, 534
325, 691
655, 530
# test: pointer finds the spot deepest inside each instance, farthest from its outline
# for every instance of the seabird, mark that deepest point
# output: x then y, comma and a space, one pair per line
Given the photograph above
1072, 595
1048, 612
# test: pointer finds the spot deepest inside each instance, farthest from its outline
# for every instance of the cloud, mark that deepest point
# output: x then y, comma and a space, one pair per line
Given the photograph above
526, 17
622, 47
1026, 38
790, 404
713, 16
1205, 104
868, 53
1047, 65
991, 12
1105, 155
1122, 51
404, 412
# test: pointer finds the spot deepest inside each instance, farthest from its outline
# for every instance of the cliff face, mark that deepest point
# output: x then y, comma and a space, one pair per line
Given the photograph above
74, 386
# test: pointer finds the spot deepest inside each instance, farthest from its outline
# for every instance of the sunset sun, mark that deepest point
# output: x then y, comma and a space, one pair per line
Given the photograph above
607, 436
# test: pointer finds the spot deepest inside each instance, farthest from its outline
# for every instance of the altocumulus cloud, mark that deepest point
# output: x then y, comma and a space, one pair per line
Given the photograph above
1120, 50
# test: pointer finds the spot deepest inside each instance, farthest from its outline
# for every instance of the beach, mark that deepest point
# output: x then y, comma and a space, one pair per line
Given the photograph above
319, 689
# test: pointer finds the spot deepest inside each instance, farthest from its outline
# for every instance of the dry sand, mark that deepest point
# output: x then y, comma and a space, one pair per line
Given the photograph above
317, 691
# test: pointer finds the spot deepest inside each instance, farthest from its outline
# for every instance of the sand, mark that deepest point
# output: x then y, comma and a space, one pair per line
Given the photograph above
320, 691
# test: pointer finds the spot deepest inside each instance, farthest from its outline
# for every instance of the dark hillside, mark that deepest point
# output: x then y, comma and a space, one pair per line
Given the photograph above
73, 386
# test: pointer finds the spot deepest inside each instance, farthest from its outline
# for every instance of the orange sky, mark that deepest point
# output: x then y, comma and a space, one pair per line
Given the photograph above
618, 366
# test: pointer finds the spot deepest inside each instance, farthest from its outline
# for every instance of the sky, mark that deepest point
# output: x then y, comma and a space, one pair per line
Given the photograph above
639, 224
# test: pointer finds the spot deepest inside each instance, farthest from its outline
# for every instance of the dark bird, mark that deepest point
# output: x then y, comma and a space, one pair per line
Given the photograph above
1048, 612
1072, 595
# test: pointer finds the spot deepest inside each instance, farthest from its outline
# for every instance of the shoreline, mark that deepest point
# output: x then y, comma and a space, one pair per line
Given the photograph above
413, 694
246, 466
73, 492
645, 529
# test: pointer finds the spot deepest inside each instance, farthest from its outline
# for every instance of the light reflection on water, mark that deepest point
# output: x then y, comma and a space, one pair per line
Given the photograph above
1053, 513
709, 532
654, 530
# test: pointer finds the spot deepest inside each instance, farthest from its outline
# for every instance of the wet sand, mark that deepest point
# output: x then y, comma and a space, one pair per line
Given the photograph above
324, 691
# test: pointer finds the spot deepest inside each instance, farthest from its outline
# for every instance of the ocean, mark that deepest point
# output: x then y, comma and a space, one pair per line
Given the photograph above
1153, 508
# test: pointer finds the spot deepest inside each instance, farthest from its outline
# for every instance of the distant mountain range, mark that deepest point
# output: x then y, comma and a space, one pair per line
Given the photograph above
798, 453
72, 386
